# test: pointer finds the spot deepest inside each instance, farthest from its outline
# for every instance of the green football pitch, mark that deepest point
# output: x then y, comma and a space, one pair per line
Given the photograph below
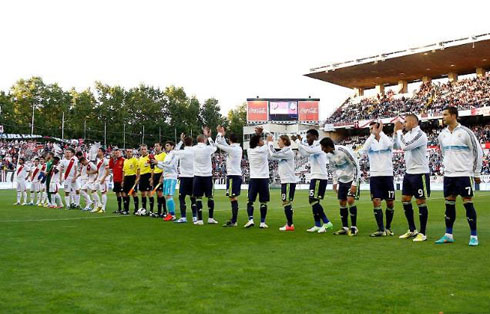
59, 261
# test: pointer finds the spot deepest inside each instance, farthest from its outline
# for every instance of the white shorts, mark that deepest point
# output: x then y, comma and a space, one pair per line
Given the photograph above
84, 184
35, 186
102, 187
91, 186
21, 185
54, 187
69, 186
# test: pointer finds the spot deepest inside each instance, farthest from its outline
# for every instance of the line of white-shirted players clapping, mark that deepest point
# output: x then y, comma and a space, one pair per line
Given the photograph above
462, 160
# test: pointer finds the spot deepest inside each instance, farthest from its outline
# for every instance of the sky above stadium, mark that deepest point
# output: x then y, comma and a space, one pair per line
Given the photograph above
230, 50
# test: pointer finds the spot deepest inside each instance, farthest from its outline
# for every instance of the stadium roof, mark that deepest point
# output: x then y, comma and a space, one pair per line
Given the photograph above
461, 56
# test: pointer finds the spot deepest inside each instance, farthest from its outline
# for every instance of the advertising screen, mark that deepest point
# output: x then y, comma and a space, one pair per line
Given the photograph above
257, 111
283, 110
308, 111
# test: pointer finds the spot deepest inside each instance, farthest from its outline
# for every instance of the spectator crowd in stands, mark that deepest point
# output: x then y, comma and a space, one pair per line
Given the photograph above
430, 98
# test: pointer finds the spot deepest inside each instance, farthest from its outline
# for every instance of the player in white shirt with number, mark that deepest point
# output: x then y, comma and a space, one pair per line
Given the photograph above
285, 156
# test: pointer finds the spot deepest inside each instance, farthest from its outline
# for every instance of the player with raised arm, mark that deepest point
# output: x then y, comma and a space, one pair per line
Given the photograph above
285, 157
319, 178
170, 171
203, 175
186, 177
233, 171
379, 149
462, 161
258, 157
346, 179
416, 181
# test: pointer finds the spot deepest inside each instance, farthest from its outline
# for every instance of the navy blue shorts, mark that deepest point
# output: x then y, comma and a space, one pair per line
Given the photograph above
287, 192
343, 191
458, 186
185, 186
260, 187
417, 185
317, 188
233, 185
382, 188
202, 186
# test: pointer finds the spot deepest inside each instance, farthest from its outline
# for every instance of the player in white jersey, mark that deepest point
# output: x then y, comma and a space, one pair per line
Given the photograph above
462, 161
186, 177
416, 181
83, 182
258, 157
42, 182
379, 149
170, 171
346, 179
285, 157
22, 173
35, 182
319, 178
68, 168
102, 183
203, 175
91, 186
233, 171
54, 184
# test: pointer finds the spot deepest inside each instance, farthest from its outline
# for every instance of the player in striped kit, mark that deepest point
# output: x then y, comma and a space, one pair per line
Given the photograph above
22, 173
54, 183
35, 182
68, 167
83, 182
101, 183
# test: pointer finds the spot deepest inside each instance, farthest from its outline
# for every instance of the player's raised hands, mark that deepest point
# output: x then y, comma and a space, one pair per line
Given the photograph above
398, 125
206, 131
270, 138
182, 136
259, 130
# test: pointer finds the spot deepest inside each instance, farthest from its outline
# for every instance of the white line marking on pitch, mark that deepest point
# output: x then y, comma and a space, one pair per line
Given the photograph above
59, 219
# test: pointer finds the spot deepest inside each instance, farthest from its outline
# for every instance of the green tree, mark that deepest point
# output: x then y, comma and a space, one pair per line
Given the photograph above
237, 119
210, 114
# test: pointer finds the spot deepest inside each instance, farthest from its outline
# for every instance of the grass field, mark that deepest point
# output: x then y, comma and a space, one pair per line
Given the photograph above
57, 261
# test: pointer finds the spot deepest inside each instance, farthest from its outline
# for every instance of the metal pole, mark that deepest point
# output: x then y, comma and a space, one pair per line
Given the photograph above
175, 135
124, 135
143, 137
159, 134
85, 129
63, 126
32, 120
105, 133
